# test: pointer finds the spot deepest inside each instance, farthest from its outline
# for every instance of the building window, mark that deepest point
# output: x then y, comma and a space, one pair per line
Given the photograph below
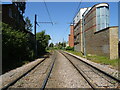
102, 18
10, 12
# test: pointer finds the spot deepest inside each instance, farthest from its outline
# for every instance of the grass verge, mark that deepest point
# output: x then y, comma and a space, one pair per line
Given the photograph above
99, 59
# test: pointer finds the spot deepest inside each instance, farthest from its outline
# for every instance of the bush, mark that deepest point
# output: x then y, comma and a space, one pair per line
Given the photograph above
17, 47
42, 42
70, 48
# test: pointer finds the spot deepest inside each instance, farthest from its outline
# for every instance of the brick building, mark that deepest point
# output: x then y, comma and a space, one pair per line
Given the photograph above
71, 36
12, 16
78, 29
97, 37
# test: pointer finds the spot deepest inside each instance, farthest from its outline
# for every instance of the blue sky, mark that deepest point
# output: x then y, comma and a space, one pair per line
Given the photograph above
62, 14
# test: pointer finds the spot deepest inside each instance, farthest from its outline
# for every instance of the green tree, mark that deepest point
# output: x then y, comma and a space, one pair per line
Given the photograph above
28, 25
70, 48
16, 47
51, 45
42, 42
64, 44
61, 45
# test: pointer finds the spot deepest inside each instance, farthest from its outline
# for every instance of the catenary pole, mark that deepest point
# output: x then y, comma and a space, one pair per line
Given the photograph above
83, 30
35, 22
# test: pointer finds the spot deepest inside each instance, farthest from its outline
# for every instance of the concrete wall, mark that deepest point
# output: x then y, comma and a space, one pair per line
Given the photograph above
114, 40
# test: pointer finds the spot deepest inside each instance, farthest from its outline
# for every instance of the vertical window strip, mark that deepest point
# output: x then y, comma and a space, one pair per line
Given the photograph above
10, 12
105, 16
108, 17
98, 18
102, 15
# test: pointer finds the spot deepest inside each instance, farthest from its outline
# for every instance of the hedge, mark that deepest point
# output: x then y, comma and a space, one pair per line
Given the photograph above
17, 47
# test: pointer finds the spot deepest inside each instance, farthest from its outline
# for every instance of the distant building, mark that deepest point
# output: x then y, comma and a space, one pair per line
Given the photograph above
67, 44
71, 36
78, 30
95, 35
12, 16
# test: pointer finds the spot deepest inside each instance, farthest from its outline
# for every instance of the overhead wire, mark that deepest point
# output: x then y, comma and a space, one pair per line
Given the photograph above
48, 12
77, 10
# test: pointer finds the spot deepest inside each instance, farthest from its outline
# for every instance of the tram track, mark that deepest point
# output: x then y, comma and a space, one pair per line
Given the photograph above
26, 74
48, 75
95, 77
64, 75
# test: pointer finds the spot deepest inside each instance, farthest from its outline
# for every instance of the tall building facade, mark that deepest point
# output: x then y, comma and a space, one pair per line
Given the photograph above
12, 16
71, 36
78, 30
96, 37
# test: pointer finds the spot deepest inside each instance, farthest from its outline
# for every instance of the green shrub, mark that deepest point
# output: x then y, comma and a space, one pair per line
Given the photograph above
70, 48
17, 46
42, 42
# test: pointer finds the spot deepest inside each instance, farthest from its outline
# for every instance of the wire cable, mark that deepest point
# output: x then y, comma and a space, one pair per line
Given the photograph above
48, 11
77, 10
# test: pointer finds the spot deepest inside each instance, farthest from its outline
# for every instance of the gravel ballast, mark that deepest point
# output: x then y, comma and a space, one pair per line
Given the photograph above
35, 78
64, 75
97, 78
13, 74
102, 67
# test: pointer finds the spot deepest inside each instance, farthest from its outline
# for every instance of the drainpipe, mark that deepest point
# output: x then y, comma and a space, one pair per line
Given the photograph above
84, 44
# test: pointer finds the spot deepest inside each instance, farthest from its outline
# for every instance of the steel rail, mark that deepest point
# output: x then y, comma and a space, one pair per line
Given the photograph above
48, 75
90, 83
103, 72
14, 81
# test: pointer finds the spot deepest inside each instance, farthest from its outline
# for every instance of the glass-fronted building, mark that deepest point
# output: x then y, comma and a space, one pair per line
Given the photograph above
93, 35
102, 16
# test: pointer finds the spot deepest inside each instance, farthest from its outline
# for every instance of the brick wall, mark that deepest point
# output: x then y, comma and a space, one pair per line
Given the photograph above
16, 21
101, 45
78, 36
103, 42
89, 30
71, 36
